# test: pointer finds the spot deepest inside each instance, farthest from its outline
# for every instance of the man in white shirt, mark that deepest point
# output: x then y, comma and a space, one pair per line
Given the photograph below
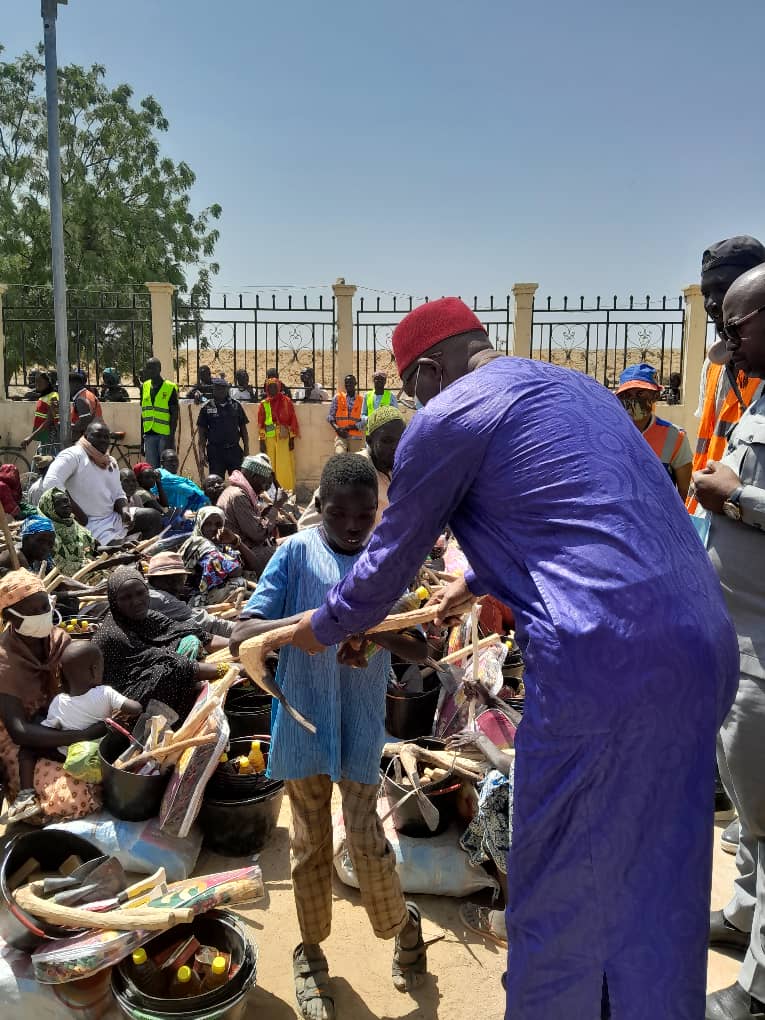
92, 479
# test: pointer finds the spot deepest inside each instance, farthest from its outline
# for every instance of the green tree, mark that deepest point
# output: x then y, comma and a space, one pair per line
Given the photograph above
127, 207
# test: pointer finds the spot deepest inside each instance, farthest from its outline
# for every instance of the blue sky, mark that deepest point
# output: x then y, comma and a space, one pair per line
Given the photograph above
436, 146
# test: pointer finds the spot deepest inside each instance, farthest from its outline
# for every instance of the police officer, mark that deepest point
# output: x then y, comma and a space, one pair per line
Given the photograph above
222, 424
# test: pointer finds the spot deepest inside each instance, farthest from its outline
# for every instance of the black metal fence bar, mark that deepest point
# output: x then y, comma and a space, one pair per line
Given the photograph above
603, 338
236, 332
106, 328
375, 320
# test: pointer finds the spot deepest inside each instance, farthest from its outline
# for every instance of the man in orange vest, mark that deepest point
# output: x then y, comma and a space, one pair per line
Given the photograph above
86, 407
720, 407
345, 415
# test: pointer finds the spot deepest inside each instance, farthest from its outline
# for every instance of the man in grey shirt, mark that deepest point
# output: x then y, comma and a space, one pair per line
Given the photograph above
166, 576
732, 491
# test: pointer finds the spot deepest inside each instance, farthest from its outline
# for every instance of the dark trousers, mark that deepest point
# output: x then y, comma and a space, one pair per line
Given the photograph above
222, 459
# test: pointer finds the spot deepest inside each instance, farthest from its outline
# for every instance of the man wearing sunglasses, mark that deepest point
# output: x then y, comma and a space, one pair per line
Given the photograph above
567, 516
732, 492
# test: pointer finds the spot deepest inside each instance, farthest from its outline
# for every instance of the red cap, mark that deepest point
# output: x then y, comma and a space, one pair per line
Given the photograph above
428, 325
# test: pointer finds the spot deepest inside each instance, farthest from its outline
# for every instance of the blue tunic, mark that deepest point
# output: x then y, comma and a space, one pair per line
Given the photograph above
346, 705
567, 515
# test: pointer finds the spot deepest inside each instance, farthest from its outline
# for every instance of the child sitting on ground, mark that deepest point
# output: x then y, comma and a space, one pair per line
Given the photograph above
83, 701
347, 705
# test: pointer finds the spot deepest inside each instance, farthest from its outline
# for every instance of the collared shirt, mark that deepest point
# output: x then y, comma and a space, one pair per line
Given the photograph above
222, 422
737, 548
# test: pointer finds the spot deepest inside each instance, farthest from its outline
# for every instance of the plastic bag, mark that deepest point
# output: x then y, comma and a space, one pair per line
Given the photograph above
435, 866
139, 846
83, 761
184, 793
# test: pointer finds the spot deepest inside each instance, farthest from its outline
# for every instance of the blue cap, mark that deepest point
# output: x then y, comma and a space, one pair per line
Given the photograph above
638, 377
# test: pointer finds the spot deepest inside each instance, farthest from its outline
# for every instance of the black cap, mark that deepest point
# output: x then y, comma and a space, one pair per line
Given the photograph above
743, 251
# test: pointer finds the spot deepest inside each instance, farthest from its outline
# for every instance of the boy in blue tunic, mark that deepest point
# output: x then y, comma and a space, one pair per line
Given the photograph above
347, 705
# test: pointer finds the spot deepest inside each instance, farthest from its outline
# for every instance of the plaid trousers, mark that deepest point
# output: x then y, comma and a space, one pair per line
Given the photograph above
373, 859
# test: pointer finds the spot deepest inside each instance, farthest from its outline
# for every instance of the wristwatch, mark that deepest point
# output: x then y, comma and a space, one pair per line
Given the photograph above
731, 506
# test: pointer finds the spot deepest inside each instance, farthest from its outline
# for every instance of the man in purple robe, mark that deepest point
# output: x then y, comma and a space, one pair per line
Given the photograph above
567, 516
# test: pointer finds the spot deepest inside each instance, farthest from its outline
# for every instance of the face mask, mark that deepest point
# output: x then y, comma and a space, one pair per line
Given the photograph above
637, 410
39, 626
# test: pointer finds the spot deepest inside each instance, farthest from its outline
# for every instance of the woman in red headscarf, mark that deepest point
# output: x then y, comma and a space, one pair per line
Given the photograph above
11, 493
278, 428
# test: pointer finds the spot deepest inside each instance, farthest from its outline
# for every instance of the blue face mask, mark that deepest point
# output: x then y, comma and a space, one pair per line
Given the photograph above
418, 404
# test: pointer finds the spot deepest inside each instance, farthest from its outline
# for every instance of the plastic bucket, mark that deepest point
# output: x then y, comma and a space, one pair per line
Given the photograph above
406, 814
239, 813
248, 711
50, 848
410, 715
218, 928
128, 796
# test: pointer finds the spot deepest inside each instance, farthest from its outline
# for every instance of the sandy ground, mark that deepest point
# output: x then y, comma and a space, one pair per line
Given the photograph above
465, 970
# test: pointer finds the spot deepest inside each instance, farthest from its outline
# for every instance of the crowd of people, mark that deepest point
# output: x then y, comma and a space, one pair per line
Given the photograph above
629, 560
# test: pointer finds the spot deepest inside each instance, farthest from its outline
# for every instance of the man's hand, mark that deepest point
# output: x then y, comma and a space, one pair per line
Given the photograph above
25, 442
714, 484
304, 637
454, 601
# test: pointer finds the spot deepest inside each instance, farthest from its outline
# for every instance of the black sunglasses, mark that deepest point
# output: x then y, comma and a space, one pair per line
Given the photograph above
731, 327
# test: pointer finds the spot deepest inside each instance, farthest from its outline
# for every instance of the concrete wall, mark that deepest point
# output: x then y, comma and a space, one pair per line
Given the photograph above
315, 446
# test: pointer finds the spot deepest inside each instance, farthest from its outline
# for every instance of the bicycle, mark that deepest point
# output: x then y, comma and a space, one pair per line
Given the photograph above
122, 453
16, 455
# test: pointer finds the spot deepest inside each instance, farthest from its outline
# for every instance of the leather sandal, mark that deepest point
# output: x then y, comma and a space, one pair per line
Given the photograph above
311, 976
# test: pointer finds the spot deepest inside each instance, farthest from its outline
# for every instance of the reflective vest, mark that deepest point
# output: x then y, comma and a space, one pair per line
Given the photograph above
270, 428
665, 439
713, 429
93, 403
349, 420
384, 400
43, 404
156, 416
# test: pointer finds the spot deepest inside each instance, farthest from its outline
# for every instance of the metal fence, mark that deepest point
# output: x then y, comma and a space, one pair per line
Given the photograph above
602, 339
257, 332
106, 328
376, 318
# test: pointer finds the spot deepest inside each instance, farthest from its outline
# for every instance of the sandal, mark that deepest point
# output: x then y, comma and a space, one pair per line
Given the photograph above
478, 919
26, 805
311, 976
410, 965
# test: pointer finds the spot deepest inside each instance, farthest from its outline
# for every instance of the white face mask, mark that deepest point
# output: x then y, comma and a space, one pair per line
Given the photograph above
39, 626
418, 404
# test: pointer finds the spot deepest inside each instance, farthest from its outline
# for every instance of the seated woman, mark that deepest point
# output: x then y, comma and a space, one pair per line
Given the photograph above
74, 545
11, 494
147, 655
148, 479
215, 558
35, 550
30, 654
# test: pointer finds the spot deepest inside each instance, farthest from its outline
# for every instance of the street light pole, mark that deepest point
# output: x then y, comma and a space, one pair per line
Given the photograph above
49, 13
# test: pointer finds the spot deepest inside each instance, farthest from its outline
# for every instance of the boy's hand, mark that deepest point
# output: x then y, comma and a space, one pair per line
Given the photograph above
304, 637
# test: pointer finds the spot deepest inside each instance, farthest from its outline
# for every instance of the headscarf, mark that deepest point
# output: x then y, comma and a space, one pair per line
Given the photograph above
10, 477
111, 377
36, 525
141, 467
382, 416
194, 548
18, 585
140, 658
282, 409
74, 544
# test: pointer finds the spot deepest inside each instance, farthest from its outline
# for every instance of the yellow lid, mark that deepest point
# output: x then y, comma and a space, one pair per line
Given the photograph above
184, 975
223, 758
218, 966
139, 957
422, 593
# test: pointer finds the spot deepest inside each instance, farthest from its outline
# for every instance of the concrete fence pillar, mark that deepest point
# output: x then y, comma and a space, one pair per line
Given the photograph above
3, 289
344, 316
695, 328
162, 346
523, 318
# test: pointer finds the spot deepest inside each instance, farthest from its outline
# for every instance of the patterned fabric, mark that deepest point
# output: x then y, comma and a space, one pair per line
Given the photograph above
18, 585
373, 859
490, 833
62, 797
139, 657
347, 705
74, 544
567, 516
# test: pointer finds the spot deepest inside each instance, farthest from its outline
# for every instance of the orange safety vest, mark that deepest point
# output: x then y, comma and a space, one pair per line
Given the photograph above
93, 401
713, 430
349, 420
665, 439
